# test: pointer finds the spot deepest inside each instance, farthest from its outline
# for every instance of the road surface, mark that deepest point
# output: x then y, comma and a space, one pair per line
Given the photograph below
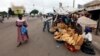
40, 43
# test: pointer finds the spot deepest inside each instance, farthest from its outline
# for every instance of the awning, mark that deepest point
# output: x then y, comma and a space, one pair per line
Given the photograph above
84, 21
64, 10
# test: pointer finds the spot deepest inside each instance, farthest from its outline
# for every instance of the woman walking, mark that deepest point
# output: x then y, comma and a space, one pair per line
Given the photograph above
22, 30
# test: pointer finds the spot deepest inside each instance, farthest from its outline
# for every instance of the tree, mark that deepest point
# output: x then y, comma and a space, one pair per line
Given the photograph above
10, 12
3, 13
35, 11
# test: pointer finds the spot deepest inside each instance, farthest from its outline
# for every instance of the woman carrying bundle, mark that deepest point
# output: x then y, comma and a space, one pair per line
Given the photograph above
22, 30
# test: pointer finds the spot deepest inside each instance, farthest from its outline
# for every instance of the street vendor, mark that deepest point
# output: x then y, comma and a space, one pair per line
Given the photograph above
87, 45
87, 34
66, 19
1, 18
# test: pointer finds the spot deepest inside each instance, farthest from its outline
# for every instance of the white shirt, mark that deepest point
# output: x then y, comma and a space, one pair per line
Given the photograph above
87, 36
50, 20
46, 19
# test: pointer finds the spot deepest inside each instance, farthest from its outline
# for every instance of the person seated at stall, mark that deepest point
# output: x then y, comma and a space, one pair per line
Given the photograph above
66, 19
87, 45
87, 34
74, 18
78, 28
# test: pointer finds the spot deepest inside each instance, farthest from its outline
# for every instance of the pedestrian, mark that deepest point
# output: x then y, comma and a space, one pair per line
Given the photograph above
46, 22
1, 18
22, 30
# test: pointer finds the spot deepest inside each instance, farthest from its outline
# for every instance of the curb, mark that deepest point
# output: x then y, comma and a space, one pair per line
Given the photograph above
96, 45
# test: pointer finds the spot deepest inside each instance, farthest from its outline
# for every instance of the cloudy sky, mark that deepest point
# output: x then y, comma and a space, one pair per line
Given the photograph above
41, 5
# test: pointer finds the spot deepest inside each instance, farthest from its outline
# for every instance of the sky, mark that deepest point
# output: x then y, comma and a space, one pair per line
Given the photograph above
41, 5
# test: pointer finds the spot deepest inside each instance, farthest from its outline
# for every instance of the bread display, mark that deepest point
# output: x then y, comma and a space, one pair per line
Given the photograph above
52, 29
56, 33
68, 35
61, 25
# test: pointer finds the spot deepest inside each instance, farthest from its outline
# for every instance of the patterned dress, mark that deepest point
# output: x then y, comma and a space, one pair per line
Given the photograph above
21, 37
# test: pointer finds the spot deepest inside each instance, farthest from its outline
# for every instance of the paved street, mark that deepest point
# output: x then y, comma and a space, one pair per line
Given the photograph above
40, 43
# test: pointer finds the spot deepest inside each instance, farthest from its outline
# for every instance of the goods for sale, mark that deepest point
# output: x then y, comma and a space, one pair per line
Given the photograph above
69, 29
71, 32
65, 37
57, 37
68, 35
61, 25
63, 31
56, 33
75, 37
80, 40
69, 40
52, 29
77, 47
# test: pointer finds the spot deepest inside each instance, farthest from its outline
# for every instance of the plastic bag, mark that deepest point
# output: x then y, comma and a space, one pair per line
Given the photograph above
23, 30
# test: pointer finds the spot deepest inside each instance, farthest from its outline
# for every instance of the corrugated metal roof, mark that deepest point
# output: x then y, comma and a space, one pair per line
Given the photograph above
95, 2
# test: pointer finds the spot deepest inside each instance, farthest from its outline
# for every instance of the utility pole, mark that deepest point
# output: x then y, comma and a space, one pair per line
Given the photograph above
73, 3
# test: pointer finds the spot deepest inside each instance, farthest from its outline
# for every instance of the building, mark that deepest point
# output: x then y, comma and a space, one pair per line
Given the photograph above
18, 9
93, 8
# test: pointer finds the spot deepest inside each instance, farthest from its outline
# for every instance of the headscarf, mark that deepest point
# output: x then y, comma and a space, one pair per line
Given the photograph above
87, 30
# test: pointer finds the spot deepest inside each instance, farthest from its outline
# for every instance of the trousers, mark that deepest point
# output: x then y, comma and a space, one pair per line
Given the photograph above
46, 26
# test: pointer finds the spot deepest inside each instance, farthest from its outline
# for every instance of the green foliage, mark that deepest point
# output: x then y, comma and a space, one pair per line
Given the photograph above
35, 11
3, 13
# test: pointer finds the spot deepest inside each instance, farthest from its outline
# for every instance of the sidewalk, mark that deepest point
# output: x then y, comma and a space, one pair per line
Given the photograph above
96, 41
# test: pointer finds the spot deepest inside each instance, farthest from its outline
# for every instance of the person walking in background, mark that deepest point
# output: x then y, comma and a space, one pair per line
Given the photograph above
46, 22
22, 30
1, 18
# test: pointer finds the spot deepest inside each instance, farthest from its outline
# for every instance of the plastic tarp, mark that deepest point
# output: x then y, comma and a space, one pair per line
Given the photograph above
70, 9
84, 21
61, 11
64, 10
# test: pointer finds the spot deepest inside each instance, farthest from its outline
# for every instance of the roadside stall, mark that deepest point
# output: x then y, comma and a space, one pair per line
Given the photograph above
70, 32
65, 33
